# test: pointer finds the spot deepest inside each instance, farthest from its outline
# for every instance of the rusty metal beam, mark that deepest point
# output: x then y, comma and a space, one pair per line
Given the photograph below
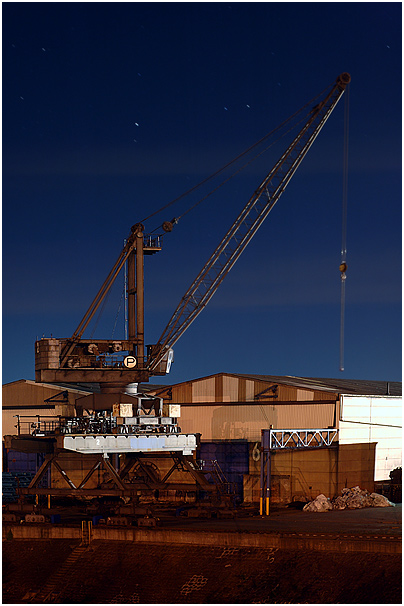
90, 473
112, 492
127, 467
146, 470
140, 299
108, 467
63, 474
82, 492
92, 375
198, 475
41, 471
99, 297
170, 472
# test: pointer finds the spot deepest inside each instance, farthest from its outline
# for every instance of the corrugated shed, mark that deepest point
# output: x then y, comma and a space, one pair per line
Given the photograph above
27, 398
225, 387
24, 392
338, 386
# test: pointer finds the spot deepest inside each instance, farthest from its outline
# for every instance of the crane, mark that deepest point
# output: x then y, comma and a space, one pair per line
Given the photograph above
124, 421
116, 363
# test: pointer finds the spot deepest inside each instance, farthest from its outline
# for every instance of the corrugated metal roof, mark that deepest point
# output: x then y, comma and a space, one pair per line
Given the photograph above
338, 386
84, 388
71, 387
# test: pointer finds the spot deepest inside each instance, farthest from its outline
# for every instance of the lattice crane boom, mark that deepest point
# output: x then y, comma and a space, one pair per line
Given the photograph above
245, 226
115, 363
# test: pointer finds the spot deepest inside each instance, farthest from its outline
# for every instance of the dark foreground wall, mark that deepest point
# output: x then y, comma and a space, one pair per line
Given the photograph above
125, 572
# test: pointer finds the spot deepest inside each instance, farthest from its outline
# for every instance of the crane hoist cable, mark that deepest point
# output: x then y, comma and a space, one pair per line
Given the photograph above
293, 126
223, 168
243, 166
343, 265
118, 312
232, 244
101, 311
245, 226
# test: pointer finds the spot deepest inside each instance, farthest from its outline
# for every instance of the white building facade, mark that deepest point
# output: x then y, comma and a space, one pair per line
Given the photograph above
367, 419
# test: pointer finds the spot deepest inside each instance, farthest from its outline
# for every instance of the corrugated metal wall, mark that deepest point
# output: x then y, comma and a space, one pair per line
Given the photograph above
9, 419
378, 419
203, 391
20, 393
229, 388
214, 407
27, 398
245, 421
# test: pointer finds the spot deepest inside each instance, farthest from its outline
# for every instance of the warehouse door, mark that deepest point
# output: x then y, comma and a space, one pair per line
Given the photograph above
232, 458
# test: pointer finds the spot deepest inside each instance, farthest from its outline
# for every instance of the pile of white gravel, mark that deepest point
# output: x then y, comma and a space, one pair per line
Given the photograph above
350, 498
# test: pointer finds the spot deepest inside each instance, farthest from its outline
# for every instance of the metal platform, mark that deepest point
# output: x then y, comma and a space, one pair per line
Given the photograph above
115, 444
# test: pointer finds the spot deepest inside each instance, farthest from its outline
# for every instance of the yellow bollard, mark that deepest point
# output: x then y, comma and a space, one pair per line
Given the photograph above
267, 508
260, 506
36, 499
49, 501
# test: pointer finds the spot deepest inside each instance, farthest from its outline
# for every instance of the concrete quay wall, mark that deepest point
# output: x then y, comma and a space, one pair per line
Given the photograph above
342, 543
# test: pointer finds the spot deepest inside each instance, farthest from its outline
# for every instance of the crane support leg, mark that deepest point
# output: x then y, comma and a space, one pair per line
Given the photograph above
140, 299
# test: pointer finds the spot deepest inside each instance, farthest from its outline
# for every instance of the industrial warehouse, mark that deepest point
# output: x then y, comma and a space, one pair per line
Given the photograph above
225, 503
325, 434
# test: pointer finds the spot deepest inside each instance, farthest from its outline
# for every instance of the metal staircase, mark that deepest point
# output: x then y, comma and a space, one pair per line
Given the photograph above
216, 474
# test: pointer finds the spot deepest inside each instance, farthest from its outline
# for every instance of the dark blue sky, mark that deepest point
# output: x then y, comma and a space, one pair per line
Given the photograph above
111, 110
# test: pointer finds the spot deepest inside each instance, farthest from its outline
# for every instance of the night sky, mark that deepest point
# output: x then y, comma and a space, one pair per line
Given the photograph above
111, 110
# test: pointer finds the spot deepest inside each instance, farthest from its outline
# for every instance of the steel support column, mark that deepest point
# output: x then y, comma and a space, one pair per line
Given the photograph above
140, 299
265, 486
288, 439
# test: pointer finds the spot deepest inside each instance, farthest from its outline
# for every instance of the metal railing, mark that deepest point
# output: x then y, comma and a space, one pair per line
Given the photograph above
35, 425
214, 470
152, 241
276, 439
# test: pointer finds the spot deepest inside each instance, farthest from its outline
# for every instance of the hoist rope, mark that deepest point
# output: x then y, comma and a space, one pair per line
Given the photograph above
242, 167
220, 170
100, 314
118, 312
343, 265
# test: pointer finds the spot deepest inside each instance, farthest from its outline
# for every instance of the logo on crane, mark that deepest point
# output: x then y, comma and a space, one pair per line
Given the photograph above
129, 362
